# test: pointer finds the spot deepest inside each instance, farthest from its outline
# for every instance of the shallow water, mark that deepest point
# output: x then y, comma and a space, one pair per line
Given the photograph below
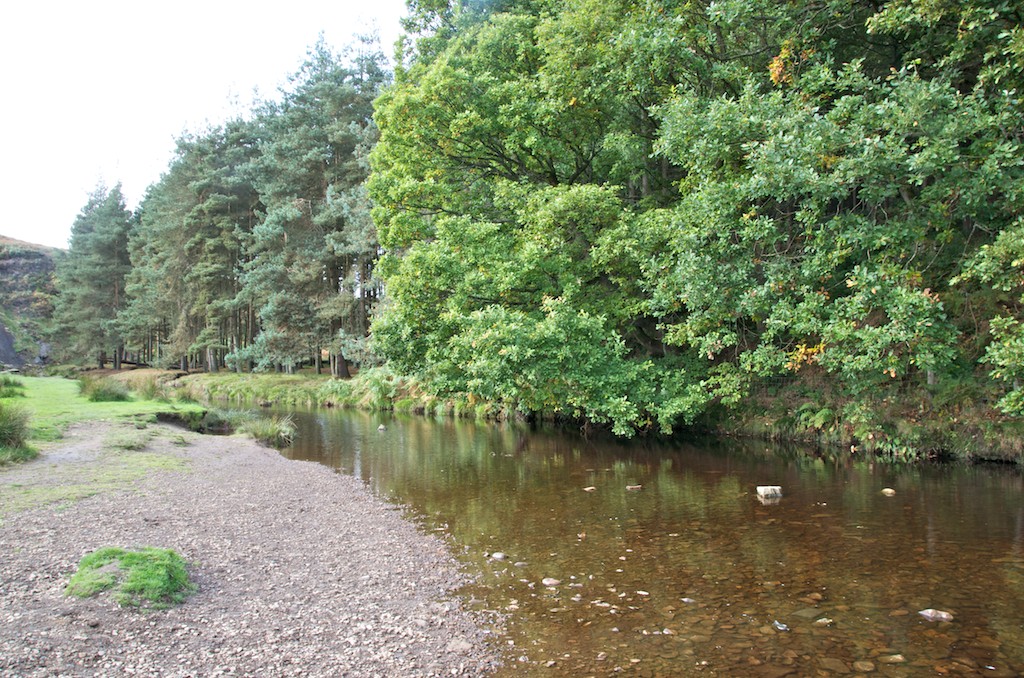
667, 564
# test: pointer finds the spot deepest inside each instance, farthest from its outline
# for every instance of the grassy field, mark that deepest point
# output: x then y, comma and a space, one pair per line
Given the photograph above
54, 403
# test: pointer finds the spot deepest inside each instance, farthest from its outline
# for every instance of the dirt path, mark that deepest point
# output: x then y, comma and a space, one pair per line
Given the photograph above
300, 570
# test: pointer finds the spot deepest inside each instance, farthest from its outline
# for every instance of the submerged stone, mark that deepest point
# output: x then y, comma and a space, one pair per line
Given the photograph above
833, 665
936, 615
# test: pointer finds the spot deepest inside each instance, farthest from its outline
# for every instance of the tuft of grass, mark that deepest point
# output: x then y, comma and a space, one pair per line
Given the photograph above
127, 440
103, 390
274, 431
11, 387
14, 431
150, 577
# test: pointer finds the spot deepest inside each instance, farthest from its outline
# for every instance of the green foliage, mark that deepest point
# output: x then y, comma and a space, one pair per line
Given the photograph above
632, 212
635, 213
150, 577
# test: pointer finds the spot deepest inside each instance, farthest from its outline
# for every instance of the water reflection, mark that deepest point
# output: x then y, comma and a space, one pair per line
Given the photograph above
668, 565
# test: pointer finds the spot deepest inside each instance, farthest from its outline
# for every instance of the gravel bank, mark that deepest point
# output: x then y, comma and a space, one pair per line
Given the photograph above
300, 571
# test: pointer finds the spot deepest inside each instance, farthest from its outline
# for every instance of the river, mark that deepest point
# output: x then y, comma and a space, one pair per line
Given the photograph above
658, 559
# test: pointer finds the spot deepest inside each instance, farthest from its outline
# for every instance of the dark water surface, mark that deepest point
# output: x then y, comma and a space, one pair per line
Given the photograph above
690, 574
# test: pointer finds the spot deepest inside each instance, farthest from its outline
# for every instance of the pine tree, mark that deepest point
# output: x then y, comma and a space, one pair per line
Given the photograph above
90, 279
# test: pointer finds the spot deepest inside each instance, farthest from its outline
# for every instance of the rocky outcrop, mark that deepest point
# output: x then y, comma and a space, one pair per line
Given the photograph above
26, 299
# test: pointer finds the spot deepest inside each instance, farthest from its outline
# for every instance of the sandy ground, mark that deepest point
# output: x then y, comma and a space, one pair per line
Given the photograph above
300, 570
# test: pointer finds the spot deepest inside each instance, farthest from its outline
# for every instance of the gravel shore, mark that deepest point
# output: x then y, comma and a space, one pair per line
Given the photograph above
300, 570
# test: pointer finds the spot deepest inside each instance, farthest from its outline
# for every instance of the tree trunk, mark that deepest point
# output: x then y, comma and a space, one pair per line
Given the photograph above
342, 370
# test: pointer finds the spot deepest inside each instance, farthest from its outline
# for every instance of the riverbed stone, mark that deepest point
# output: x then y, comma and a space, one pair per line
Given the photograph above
833, 665
863, 666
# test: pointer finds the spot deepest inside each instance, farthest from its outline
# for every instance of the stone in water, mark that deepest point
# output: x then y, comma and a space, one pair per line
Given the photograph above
550, 581
936, 615
769, 491
889, 492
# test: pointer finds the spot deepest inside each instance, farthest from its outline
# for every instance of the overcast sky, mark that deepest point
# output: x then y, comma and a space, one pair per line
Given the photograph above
98, 90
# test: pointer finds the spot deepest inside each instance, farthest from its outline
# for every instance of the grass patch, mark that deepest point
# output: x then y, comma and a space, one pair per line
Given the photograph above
278, 389
55, 403
150, 577
127, 440
115, 469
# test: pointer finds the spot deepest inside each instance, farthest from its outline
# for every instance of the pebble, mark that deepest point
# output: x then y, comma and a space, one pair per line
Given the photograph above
892, 659
933, 615
301, 571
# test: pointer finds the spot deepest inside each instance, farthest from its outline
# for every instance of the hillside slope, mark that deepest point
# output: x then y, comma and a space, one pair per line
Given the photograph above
26, 299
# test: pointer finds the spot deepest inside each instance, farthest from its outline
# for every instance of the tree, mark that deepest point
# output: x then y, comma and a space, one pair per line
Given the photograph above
90, 278
188, 251
722, 194
312, 253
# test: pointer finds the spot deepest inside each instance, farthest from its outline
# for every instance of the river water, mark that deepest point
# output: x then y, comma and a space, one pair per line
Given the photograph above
651, 559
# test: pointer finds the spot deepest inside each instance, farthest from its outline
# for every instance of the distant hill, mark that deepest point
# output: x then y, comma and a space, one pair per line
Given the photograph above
26, 299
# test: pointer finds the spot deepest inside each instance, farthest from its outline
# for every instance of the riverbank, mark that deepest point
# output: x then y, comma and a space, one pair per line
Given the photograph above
300, 570
934, 424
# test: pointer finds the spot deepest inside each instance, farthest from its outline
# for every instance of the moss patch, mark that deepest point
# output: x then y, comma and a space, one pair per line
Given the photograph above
150, 577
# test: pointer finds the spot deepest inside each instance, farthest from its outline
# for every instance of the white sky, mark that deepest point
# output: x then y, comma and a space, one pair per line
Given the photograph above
98, 90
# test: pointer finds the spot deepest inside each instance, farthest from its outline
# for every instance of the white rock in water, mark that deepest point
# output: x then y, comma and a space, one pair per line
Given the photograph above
888, 491
550, 581
382, 427
936, 615
769, 491
498, 555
